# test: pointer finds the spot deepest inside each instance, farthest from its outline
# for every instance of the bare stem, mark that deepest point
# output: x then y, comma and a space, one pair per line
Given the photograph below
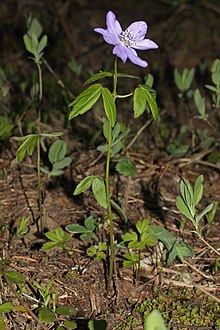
39, 185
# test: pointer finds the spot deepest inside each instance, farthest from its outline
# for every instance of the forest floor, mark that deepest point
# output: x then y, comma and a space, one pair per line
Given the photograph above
187, 294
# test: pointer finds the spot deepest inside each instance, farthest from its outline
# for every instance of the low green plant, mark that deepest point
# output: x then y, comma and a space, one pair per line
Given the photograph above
22, 227
142, 237
200, 104
29, 143
187, 204
57, 158
215, 87
86, 232
184, 81
6, 128
57, 238
97, 251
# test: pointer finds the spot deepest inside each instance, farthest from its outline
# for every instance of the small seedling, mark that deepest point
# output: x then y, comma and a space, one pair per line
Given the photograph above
139, 239
22, 227
86, 232
98, 251
58, 238
215, 88
184, 81
57, 158
200, 104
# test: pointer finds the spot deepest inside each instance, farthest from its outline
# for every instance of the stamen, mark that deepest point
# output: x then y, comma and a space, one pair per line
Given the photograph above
128, 38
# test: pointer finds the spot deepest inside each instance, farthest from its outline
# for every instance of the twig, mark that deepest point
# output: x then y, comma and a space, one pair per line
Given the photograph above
148, 122
59, 81
28, 310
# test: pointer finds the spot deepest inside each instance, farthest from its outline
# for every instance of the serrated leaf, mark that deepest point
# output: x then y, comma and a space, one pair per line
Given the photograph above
86, 236
139, 102
48, 245
65, 310
6, 307
109, 105
182, 207
15, 277
85, 101
84, 185
143, 226
70, 324
126, 167
98, 76
44, 170
198, 189
127, 237
57, 151
99, 191
45, 314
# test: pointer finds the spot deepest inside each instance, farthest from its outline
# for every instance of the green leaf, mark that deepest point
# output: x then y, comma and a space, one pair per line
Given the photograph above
50, 135
6, 307
143, 226
48, 245
139, 102
27, 146
207, 209
125, 75
55, 172
62, 163
70, 324
182, 207
15, 277
180, 250
42, 44
84, 185
151, 99
154, 321
28, 43
2, 323
45, 314
99, 191
57, 151
72, 228
163, 235
216, 78
34, 26
132, 260
97, 76
85, 100
198, 189
109, 105
125, 167
90, 223
65, 310
199, 102
97, 325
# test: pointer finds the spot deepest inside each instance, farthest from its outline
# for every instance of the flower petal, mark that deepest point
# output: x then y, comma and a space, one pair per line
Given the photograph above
120, 51
113, 25
133, 57
108, 37
145, 44
139, 29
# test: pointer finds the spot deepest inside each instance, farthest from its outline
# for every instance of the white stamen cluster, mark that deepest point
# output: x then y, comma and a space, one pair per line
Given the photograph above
128, 38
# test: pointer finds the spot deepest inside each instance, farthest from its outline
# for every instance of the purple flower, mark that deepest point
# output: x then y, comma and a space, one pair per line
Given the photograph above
127, 41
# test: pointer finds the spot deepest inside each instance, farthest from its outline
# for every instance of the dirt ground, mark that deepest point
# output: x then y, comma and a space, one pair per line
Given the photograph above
187, 33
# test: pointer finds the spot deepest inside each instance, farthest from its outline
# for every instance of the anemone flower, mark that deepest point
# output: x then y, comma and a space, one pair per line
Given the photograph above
127, 41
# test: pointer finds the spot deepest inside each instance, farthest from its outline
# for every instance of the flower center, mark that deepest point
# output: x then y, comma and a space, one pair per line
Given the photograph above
128, 38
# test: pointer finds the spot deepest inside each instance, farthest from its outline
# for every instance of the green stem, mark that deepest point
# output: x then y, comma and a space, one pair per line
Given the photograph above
39, 185
108, 195
40, 92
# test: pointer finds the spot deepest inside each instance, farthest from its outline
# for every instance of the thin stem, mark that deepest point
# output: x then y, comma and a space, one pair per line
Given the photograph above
39, 185
40, 92
207, 244
108, 195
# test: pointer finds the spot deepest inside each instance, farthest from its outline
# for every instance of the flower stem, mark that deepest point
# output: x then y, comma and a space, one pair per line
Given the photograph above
108, 195
39, 185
